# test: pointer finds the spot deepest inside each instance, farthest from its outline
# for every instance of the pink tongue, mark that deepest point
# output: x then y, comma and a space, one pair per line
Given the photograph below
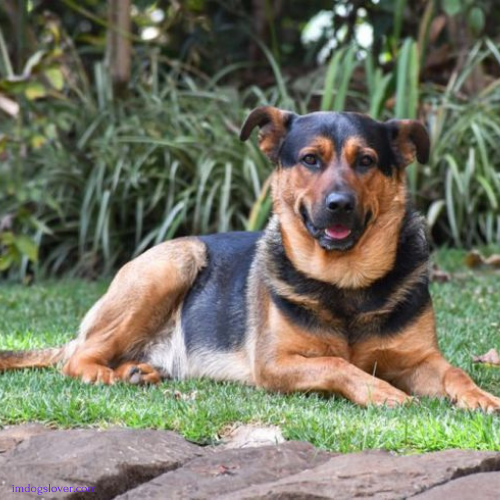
338, 232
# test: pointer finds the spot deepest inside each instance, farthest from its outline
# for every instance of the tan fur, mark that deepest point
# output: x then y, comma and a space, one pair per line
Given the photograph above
412, 362
136, 372
374, 255
289, 359
411, 137
30, 359
272, 124
144, 293
376, 370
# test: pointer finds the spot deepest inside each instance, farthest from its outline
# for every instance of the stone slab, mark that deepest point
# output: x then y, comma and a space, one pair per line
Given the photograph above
127, 464
376, 474
482, 486
230, 470
112, 461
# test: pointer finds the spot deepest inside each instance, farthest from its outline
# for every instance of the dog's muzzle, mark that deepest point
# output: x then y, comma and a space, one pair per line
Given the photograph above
337, 224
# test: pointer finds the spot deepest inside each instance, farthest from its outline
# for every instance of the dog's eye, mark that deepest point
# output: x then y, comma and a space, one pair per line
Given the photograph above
366, 161
310, 160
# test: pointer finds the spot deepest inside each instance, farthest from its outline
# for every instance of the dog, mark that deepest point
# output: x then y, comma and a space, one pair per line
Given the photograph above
332, 297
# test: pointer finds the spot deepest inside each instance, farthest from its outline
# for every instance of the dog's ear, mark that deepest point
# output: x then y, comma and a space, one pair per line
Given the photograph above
273, 124
409, 140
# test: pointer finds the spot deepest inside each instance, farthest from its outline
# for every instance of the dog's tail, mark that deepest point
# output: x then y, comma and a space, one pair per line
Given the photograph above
37, 358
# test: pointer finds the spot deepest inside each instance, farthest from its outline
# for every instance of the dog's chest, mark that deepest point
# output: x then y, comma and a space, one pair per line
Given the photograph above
383, 308
350, 314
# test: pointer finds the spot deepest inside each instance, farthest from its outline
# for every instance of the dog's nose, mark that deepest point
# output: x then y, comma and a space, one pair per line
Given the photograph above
338, 203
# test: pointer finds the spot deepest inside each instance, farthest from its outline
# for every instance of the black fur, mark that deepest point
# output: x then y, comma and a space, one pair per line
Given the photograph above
338, 127
348, 305
214, 312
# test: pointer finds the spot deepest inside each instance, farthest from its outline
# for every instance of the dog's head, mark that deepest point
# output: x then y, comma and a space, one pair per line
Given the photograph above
337, 172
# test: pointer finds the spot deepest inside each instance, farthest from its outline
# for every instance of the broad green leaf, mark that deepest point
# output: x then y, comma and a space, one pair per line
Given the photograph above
55, 77
14, 85
452, 7
6, 261
27, 247
330, 80
7, 238
37, 141
34, 90
476, 20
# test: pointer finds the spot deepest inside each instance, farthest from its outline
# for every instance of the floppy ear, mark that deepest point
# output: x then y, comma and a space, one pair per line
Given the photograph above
273, 124
409, 140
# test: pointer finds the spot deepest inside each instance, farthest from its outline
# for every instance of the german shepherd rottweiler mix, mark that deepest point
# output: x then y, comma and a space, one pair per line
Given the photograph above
333, 296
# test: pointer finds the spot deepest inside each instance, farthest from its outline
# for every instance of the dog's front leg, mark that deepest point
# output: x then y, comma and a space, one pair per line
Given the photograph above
288, 358
434, 376
412, 361
294, 372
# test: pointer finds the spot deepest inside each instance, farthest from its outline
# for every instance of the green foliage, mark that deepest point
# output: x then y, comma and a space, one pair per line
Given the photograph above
14, 248
338, 77
94, 180
143, 171
111, 178
41, 76
463, 182
472, 12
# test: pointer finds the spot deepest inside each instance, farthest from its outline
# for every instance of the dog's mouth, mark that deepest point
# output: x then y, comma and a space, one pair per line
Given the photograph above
338, 232
341, 236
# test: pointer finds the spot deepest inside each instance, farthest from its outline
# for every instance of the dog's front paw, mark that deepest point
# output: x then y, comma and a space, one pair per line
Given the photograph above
477, 399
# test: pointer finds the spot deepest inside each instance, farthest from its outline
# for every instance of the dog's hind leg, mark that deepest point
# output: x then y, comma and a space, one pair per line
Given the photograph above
138, 303
136, 372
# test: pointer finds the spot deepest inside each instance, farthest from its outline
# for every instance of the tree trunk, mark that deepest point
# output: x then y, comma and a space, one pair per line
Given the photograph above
119, 45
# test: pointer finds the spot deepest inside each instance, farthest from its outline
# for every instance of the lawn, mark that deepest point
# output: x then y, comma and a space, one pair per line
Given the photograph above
48, 313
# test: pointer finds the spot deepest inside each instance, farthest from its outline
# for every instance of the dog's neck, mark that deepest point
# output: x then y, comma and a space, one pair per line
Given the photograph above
372, 257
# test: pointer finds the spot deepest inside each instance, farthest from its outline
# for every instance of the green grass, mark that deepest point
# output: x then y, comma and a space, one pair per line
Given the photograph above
48, 313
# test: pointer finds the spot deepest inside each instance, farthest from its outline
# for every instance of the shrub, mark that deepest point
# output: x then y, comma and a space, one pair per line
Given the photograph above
98, 180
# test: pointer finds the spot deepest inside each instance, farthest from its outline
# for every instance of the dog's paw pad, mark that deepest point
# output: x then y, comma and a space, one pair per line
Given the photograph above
143, 374
135, 375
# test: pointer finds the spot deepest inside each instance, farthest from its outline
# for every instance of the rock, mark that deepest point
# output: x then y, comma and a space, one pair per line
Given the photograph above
230, 470
374, 474
127, 464
112, 461
11, 436
249, 436
478, 486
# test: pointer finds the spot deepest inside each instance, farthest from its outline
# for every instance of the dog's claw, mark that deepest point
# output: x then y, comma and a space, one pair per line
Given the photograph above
479, 400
